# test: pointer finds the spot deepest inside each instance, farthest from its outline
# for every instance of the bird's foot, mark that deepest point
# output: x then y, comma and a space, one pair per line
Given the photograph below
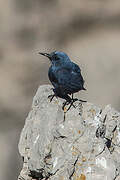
81, 100
71, 103
64, 104
75, 99
51, 97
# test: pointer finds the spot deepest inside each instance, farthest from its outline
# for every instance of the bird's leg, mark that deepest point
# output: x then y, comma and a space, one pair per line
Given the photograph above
52, 95
74, 99
72, 96
77, 99
64, 104
81, 100
72, 103
69, 101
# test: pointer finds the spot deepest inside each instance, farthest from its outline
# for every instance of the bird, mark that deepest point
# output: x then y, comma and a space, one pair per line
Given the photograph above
65, 77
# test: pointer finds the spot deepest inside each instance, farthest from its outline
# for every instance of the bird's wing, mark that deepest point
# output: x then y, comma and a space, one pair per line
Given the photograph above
52, 76
77, 73
71, 79
67, 79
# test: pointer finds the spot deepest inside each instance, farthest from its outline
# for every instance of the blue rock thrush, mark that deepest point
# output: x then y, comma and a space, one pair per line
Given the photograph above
65, 76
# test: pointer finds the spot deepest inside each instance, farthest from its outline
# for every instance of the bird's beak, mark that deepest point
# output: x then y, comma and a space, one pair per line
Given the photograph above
45, 54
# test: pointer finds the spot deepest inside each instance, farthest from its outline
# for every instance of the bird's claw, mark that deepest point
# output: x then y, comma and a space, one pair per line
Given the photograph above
51, 97
64, 104
81, 100
73, 100
71, 104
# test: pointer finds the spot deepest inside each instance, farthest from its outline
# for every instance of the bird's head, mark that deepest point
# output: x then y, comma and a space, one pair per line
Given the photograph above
56, 57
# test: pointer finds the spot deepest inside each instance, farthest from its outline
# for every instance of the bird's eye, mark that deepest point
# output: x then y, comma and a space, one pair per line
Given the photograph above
56, 58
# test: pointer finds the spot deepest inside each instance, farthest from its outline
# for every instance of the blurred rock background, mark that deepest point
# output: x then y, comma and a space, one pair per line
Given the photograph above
87, 30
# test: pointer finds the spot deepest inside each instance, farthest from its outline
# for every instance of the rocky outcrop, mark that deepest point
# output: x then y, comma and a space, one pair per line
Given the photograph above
80, 144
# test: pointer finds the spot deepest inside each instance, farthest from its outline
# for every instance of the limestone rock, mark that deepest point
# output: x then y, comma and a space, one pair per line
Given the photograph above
82, 143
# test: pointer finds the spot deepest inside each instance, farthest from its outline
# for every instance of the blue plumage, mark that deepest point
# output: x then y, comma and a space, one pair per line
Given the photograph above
64, 75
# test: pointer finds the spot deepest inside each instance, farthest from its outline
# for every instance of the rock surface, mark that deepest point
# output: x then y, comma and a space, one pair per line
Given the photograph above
80, 144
